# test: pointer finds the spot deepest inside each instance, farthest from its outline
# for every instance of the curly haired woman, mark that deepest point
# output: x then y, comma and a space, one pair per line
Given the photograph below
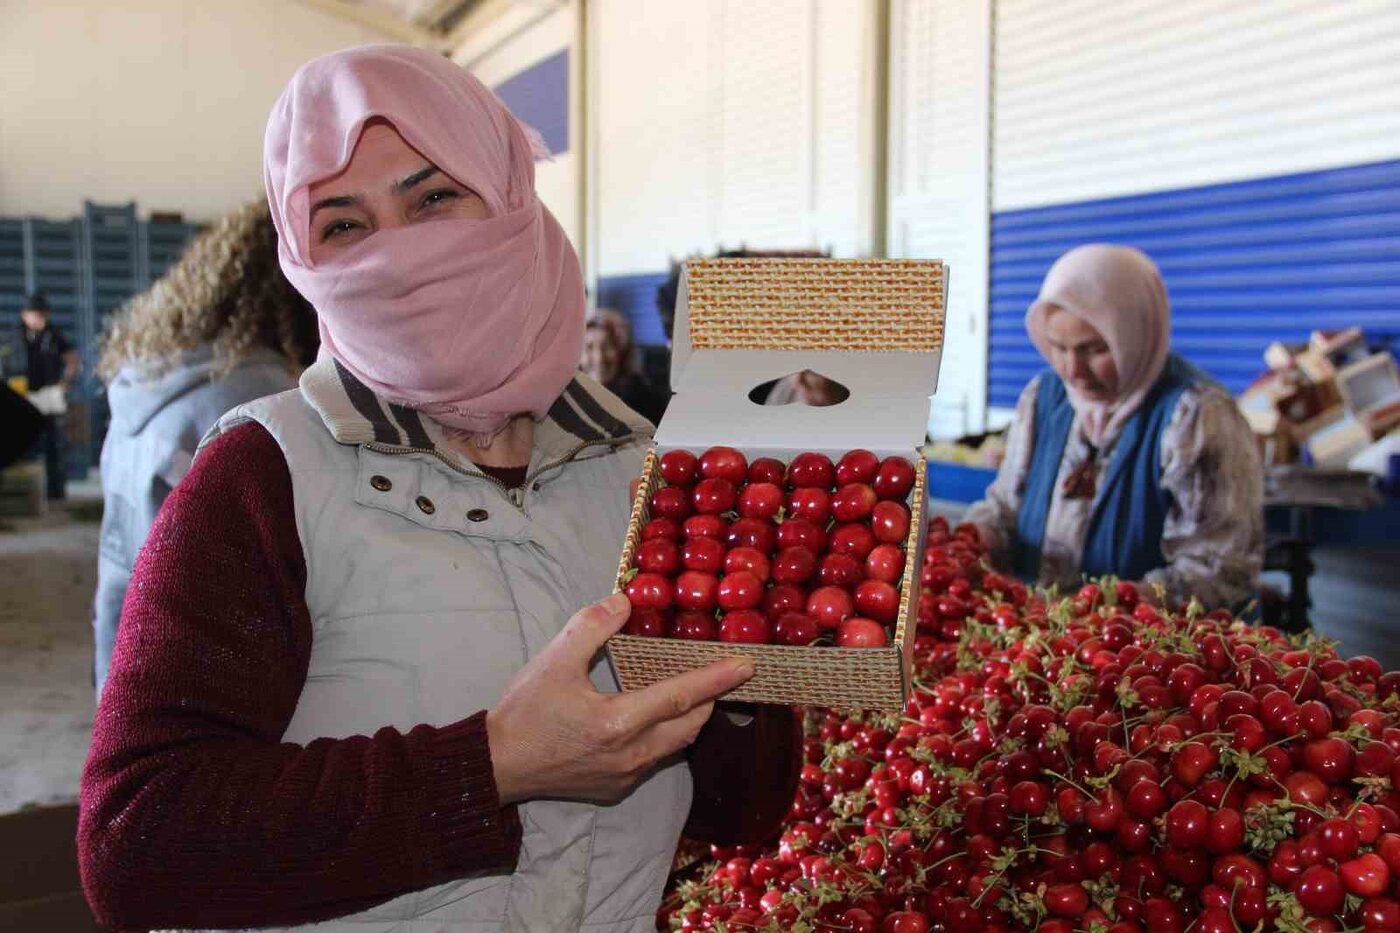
223, 327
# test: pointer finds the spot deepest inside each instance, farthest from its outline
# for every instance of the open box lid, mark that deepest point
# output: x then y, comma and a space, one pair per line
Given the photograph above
873, 325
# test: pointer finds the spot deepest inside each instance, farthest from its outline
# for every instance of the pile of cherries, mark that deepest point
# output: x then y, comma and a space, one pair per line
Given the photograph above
1086, 763
803, 553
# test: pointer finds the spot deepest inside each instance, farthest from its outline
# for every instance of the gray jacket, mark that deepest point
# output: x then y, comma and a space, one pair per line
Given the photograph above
156, 427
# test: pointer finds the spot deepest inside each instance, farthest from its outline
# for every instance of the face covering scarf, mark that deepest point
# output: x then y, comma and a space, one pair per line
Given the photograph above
472, 322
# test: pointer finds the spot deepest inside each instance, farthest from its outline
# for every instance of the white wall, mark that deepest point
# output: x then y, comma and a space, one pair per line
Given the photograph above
515, 41
1100, 99
158, 101
728, 123
939, 168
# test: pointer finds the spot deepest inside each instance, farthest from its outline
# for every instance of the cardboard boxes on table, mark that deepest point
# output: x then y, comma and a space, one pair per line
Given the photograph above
875, 327
1328, 401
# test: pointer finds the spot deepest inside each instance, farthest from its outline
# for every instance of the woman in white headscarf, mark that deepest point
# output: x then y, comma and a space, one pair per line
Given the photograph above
1123, 458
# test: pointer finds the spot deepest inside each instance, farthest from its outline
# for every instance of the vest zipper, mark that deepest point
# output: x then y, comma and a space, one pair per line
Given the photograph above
516, 497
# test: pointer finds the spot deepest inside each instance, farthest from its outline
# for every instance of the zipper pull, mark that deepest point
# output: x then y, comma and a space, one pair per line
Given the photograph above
517, 496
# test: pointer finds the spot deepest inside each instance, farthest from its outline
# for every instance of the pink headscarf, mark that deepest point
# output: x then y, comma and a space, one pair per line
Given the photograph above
469, 321
1118, 291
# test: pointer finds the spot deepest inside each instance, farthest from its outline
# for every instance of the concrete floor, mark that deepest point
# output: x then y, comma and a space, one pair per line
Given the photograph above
48, 571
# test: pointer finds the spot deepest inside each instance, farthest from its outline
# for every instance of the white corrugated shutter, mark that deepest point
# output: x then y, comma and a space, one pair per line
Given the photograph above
728, 123
1097, 99
940, 70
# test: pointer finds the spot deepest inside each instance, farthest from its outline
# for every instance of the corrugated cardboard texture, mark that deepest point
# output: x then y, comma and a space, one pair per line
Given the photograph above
816, 304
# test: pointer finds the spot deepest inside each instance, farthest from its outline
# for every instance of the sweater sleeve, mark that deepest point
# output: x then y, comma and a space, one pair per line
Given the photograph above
194, 813
1213, 538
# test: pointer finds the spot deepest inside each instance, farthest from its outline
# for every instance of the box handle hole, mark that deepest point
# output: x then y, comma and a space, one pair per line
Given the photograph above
807, 387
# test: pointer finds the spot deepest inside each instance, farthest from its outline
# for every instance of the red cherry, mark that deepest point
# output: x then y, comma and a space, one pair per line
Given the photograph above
878, 600
1192, 762
1380, 913
713, 496
1225, 832
858, 466
894, 479
885, 562
660, 555
767, 470
798, 532
661, 528
782, 598
858, 632
853, 502
706, 526
1366, 875
1338, 838
650, 591
696, 590
747, 559
671, 502
811, 503
889, 522
1319, 890
1145, 800
724, 463
745, 627
1187, 823
830, 606
1331, 758
760, 500
811, 470
795, 628
854, 539
750, 532
794, 565
841, 570
740, 590
1066, 900
690, 625
703, 554
647, 623
679, 467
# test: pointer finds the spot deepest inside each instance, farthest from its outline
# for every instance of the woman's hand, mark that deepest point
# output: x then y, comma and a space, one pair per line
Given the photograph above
555, 735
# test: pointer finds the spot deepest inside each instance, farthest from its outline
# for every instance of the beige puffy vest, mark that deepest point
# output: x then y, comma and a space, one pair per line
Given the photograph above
424, 618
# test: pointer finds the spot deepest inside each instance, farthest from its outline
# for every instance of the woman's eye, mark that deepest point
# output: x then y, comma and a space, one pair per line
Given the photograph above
440, 196
337, 228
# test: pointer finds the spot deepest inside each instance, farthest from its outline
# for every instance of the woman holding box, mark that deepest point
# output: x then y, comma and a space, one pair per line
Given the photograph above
344, 686
1124, 459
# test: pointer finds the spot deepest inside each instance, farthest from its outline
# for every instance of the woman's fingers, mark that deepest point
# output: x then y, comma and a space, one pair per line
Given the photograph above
675, 697
574, 648
671, 736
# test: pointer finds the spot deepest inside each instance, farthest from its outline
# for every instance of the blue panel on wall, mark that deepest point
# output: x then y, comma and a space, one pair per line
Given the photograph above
1246, 263
635, 296
539, 95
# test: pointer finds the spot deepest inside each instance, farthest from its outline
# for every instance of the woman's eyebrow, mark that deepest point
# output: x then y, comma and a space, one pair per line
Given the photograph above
343, 200
422, 175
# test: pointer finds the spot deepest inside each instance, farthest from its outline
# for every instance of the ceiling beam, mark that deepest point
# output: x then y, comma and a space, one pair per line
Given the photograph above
384, 23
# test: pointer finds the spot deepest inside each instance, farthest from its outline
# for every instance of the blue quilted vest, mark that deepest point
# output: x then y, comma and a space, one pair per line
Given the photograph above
1124, 537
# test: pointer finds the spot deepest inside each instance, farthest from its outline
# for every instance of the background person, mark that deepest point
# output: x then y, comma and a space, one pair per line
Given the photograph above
51, 366
610, 358
221, 328
1123, 458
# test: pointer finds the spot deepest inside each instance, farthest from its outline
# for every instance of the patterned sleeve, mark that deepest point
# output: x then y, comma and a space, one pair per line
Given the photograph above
996, 515
1213, 540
